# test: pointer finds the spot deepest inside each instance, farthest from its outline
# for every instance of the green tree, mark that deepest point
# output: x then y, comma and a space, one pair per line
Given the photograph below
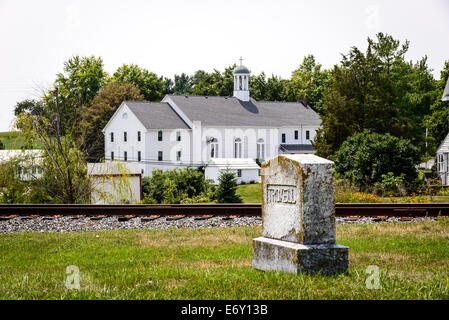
183, 84
309, 82
31, 107
95, 117
64, 178
215, 83
365, 157
227, 187
77, 85
437, 121
150, 85
377, 90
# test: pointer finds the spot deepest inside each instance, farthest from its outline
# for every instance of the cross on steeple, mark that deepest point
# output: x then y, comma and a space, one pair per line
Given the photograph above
241, 59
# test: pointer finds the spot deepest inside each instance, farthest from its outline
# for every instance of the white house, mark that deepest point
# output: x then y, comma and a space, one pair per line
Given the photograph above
443, 149
184, 130
114, 182
29, 162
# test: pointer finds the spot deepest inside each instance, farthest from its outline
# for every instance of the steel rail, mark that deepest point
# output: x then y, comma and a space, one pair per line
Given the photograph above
341, 209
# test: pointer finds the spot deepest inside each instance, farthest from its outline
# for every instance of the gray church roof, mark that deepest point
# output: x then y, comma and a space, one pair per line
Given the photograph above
156, 115
230, 111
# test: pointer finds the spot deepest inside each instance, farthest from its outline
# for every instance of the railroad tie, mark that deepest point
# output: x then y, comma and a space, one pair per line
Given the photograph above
176, 217
150, 218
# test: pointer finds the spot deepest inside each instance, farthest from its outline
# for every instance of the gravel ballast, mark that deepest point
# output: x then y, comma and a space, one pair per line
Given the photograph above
75, 224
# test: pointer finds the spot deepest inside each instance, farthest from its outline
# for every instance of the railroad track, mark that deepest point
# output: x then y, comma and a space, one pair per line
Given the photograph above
355, 210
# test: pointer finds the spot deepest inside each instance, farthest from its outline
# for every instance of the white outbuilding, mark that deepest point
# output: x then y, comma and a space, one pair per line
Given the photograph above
246, 170
114, 182
443, 149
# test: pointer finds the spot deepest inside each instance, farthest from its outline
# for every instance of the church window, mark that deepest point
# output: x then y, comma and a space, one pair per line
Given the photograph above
112, 136
159, 156
125, 116
178, 135
125, 156
159, 135
238, 148
125, 136
178, 156
214, 148
260, 149
139, 138
112, 155
283, 138
139, 156
239, 173
296, 134
307, 134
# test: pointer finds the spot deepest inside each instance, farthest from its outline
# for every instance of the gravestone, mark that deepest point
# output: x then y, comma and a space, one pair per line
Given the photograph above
298, 214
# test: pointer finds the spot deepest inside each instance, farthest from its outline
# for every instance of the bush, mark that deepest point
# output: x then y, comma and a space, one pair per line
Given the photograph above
390, 185
172, 186
365, 157
227, 186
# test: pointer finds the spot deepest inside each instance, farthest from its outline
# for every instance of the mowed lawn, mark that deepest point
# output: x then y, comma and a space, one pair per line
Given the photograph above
216, 264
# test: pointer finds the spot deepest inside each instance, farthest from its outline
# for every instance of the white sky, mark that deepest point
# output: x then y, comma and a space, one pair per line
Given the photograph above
175, 36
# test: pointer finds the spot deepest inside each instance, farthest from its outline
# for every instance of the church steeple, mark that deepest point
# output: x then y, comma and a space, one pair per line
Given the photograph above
241, 81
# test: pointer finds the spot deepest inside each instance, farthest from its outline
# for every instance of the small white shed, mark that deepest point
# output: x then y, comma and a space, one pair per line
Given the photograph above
246, 170
115, 182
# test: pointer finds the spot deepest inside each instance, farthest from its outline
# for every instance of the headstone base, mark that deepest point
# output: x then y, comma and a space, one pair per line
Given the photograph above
276, 255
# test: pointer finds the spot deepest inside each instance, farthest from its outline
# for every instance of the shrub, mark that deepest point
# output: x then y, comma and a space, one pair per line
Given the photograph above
183, 184
365, 157
227, 186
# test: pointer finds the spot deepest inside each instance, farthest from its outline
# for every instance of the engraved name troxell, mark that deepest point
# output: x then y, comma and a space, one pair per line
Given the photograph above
283, 194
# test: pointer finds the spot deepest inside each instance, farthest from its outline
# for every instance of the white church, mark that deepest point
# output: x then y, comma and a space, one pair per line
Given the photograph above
213, 132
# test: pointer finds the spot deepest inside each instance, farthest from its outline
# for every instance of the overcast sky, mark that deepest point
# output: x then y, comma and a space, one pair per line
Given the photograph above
169, 37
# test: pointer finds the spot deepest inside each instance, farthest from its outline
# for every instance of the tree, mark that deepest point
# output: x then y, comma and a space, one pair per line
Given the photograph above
64, 178
437, 121
150, 85
215, 83
77, 85
309, 82
31, 107
378, 91
95, 117
365, 157
227, 186
183, 84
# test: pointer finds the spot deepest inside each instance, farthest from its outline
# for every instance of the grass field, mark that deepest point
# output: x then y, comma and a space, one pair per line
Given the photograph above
11, 139
216, 264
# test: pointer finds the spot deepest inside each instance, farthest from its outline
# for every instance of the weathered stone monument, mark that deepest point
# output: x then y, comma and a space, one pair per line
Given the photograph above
298, 214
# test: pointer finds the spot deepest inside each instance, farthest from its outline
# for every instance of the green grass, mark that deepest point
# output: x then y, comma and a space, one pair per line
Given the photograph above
12, 139
216, 264
250, 193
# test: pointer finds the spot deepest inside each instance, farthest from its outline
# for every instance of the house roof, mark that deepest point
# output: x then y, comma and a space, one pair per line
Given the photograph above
446, 92
156, 115
297, 147
233, 163
444, 146
230, 111
6, 155
110, 168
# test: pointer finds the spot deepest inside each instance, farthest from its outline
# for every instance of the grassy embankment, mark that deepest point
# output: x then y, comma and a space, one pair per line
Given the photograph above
216, 264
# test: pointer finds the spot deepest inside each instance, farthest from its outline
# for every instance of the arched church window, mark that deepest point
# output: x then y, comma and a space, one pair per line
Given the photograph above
237, 148
260, 149
125, 116
214, 148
